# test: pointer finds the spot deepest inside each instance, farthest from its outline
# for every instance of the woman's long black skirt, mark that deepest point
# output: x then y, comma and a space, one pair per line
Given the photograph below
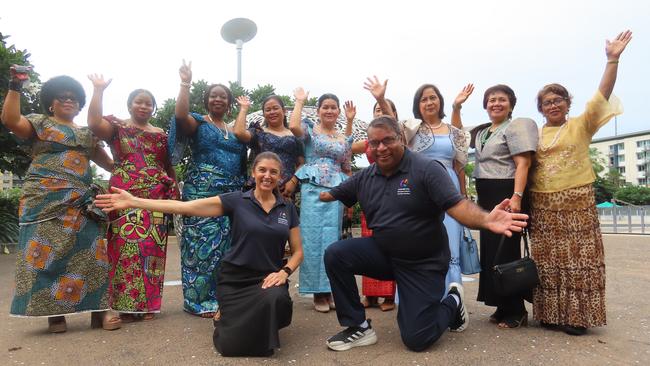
250, 316
490, 193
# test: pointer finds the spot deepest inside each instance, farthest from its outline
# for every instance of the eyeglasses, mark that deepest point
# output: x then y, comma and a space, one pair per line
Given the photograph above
555, 102
387, 141
65, 98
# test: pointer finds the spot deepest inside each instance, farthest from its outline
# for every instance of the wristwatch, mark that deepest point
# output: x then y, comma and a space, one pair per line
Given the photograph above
520, 194
288, 270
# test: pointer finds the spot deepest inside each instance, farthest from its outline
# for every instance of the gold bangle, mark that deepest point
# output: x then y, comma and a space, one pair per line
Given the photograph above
185, 84
612, 61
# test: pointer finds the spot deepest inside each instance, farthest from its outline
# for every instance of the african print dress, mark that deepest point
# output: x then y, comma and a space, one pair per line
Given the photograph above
137, 238
327, 158
62, 266
217, 166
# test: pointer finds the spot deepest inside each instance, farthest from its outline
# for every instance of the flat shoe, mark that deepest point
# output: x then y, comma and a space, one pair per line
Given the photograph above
128, 318
513, 322
148, 316
575, 331
56, 324
321, 305
387, 305
99, 319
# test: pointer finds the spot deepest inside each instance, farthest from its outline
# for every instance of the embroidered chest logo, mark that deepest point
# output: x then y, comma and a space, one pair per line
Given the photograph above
404, 189
282, 218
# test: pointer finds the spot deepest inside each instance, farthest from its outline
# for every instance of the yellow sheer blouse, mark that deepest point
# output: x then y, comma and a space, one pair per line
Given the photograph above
562, 158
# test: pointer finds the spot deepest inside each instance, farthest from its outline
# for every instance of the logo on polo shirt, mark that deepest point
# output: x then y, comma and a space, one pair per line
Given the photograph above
403, 189
282, 219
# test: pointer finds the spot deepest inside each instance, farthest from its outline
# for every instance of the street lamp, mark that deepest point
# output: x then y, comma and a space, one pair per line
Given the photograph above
238, 31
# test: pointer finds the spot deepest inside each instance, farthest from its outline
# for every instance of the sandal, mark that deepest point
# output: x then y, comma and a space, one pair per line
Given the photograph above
216, 318
496, 317
56, 324
387, 305
512, 322
128, 318
105, 320
330, 302
148, 316
208, 315
369, 301
320, 304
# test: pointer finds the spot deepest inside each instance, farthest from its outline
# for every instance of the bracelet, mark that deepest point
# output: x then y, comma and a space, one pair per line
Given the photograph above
185, 84
520, 194
456, 106
16, 85
612, 61
288, 270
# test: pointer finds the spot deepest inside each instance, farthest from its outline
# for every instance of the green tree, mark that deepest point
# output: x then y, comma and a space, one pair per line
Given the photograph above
636, 195
12, 158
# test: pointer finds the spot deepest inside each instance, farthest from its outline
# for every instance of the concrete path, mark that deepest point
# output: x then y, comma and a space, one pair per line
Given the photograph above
177, 338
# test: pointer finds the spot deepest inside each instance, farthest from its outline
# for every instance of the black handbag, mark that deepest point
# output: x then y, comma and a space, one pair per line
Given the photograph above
516, 277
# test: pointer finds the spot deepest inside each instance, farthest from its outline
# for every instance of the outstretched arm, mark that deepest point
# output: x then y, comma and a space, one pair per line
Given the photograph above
98, 125
186, 124
240, 130
121, 200
295, 123
613, 50
10, 115
378, 90
499, 221
456, 120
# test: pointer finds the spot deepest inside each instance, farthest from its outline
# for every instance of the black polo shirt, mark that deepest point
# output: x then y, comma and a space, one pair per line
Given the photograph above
405, 211
258, 238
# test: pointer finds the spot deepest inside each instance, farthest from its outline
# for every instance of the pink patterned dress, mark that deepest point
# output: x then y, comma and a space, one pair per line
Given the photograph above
137, 239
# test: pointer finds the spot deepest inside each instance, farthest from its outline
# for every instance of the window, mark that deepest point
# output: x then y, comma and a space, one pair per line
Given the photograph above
621, 169
621, 159
641, 168
643, 181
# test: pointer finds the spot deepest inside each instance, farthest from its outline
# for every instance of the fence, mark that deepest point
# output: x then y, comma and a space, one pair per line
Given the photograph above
625, 219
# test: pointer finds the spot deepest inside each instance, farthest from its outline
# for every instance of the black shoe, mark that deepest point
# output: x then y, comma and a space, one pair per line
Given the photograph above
352, 337
548, 326
571, 330
461, 321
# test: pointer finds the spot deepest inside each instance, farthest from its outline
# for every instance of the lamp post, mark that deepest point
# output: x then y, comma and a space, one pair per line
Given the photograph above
238, 31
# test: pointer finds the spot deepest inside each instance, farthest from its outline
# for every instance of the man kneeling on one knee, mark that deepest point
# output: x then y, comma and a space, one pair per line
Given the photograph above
404, 196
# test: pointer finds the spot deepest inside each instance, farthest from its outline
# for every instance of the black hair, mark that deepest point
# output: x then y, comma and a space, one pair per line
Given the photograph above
392, 106
388, 123
206, 97
137, 92
57, 85
503, 89
554, 88
279, 100
326, 96
418, 96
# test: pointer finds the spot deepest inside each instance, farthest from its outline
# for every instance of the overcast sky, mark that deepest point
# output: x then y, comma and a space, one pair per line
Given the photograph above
331, 46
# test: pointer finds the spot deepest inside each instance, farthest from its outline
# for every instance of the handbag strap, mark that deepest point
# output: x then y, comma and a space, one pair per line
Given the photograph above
524, 235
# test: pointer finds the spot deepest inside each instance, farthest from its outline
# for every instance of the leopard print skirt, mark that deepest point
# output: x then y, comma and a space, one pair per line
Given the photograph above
568, 249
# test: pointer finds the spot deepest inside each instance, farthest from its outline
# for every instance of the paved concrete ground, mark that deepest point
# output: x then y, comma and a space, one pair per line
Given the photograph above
176, 338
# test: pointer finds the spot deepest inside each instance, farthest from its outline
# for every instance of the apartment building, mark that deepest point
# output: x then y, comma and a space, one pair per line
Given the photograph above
629, 154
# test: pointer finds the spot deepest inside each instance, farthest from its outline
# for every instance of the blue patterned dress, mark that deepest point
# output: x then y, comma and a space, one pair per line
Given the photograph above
217, 166
320, 222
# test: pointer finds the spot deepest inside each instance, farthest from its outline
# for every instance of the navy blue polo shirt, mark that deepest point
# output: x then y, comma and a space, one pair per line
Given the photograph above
405, 211
258, 238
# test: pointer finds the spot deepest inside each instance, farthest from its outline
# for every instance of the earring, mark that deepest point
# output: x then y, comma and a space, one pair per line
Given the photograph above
51, 109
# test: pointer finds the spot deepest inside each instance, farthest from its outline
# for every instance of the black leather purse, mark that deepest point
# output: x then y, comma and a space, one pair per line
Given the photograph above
516, 277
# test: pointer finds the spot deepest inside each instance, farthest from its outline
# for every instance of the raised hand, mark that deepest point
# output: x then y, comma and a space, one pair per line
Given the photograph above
300, 94
118, 200
244, 102
185, 72
464, 94
99, 82
375, 87
350, 110
613, 49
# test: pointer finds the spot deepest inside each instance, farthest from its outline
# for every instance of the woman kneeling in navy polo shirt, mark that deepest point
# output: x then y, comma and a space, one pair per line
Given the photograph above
252, 284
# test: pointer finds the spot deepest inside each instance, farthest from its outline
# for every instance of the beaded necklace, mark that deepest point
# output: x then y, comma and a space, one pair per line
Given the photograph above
224, 131
556, 138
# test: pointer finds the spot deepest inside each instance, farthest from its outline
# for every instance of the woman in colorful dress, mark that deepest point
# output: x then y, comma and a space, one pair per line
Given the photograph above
137, 239
504, 151
373, 289
217, 165
272, 135
567, 244
328, 154
62, 265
